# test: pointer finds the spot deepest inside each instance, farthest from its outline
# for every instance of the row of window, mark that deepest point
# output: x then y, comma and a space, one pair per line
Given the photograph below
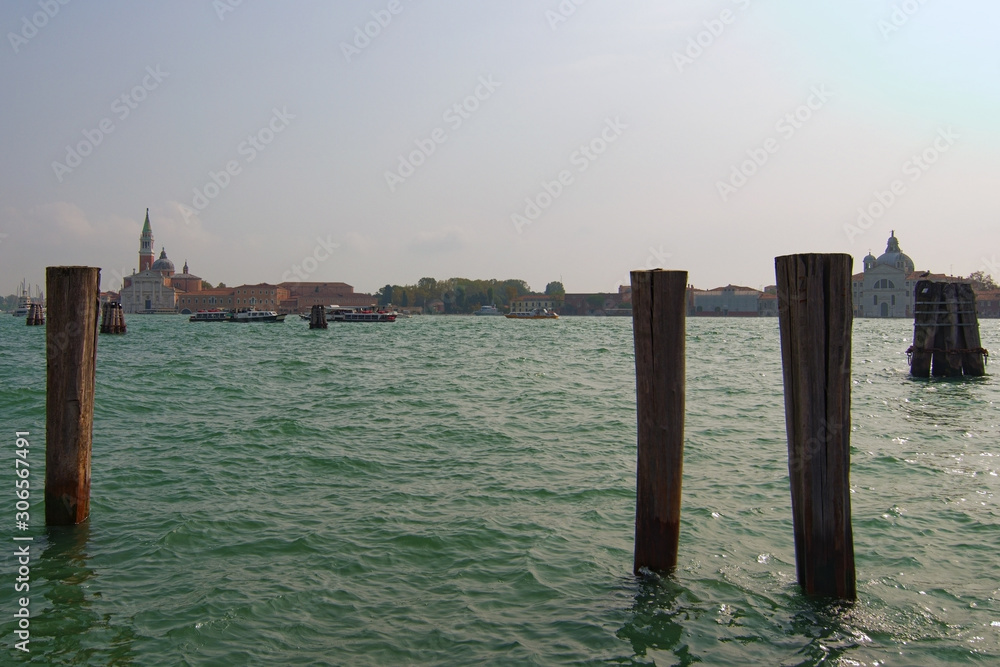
212, 301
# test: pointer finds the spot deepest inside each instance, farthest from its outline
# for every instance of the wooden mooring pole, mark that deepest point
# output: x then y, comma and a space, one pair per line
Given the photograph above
815, 317
71, 365
317, 317
658, 317
946, 339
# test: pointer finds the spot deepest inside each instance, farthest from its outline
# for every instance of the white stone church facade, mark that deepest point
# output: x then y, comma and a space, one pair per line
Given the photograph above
886, 286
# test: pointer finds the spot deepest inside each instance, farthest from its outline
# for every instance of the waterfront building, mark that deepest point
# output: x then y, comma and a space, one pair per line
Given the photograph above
885, 287
148, 292
529, 302
261, 296
302, 296
156, 287
186, 282
595, 303
988, 303
146, 246
767, 304
728, 301
206, 299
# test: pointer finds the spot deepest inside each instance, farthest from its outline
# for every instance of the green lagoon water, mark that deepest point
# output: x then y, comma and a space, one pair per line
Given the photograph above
460, 491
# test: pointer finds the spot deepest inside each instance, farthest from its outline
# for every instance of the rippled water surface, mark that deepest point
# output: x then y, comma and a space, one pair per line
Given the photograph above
459, 490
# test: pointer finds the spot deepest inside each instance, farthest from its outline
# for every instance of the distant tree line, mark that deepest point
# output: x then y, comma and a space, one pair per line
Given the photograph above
457, 295
982, 281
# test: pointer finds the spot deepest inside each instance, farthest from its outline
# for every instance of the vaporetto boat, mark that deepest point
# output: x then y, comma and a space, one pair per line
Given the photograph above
256, 316
210, 316
358, 314
533, 314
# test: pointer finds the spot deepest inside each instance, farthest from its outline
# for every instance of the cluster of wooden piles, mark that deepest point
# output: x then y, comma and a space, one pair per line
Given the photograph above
112, 318
36, 316
317, 317
946, 331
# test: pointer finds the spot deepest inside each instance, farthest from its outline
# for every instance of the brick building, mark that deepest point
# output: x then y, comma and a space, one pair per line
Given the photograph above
302, 296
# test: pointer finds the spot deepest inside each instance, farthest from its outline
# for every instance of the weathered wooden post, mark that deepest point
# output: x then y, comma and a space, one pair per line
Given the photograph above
974, 356
658, 317
106, 317
815, 318
926, 296
71, 364
120, 314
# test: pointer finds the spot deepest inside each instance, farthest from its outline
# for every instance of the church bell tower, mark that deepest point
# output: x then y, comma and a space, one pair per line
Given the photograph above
146, 245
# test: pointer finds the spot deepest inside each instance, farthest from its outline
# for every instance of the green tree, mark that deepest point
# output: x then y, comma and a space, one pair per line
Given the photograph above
385, 295
206, 285
555, 288
982, 281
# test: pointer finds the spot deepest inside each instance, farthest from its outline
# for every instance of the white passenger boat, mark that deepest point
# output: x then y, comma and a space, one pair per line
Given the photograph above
488, 310
256, 316
23, 301
210, 316
358, 314
534, 314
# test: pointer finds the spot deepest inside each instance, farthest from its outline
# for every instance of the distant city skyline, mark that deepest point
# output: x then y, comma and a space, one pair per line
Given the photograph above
388, 140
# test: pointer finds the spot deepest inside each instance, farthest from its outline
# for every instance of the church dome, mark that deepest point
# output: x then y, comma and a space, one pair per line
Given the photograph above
894, 257
163, 264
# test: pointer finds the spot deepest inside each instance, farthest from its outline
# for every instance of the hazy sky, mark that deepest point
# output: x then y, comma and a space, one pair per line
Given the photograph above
381, 141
